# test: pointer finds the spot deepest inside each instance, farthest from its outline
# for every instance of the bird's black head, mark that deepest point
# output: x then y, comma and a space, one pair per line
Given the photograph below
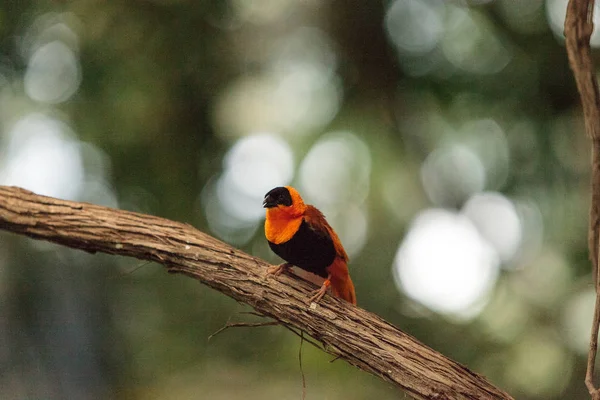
279, 195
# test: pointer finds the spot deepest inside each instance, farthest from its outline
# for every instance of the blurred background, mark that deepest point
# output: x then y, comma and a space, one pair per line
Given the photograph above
442, 139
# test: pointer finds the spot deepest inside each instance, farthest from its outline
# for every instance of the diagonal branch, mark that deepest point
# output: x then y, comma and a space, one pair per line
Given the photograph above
361, 338
578, 30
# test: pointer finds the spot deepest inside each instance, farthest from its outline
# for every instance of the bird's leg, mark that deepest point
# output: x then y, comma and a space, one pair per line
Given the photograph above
319, 293
277, 270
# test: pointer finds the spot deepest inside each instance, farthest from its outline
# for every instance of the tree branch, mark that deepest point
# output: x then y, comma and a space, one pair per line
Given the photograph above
578, 30
361, 338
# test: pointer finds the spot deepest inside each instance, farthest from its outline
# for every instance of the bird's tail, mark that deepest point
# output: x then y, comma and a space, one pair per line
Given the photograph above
341, 284
344, 290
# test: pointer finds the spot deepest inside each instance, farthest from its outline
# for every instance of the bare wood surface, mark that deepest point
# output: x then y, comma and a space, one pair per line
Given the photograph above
578, 30
361, 338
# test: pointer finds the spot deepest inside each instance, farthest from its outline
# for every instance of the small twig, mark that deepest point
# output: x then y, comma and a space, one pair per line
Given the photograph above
300, 335
302, 369
132, 271
335, 359
243, 324
306, 340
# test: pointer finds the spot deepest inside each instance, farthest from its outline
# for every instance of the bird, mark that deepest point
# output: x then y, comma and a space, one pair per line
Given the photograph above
300, 234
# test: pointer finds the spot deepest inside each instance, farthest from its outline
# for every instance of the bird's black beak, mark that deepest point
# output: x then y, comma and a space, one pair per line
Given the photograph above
269, 202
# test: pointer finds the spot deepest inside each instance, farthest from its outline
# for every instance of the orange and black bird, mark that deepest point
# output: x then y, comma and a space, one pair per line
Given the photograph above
300, 234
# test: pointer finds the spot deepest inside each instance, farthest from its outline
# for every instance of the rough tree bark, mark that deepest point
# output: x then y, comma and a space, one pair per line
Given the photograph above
361, 338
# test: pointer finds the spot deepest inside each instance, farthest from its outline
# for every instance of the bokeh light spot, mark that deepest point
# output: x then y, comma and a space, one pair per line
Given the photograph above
471, 44
351, 224
540, 366
545, 280
524, 16
42, 155
487, 139
258, 162
444, 264
336, 170
253, 166
452, 174
415, 26
231, 228
297, 92
262, 11
577, 321
53, 74
497, 221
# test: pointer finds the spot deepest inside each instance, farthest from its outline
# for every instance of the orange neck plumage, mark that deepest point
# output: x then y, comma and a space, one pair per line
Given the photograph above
283, 222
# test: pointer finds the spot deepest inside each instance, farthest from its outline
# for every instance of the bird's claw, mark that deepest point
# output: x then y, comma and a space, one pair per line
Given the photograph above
318, 294
277, 270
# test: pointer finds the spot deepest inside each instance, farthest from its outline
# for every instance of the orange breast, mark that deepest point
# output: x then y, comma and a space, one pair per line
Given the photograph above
280, 227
